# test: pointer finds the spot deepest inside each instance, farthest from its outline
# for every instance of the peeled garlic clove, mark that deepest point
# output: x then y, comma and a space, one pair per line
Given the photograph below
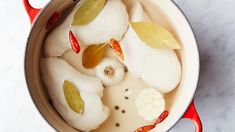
150, 104
95, 113
110, 71
159, 68
54, 72
57, 42
164, 73
131, 44
57, 70
112, 22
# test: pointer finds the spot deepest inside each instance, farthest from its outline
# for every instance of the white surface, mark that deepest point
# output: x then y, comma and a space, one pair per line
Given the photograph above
214, 24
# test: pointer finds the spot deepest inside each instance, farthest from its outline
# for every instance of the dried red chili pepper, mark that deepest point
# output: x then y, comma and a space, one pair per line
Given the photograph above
74, 42
162, 117
117, 48
53, 19
145, 128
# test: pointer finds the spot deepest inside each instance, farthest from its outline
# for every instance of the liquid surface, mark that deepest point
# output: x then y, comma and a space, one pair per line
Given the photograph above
123, 118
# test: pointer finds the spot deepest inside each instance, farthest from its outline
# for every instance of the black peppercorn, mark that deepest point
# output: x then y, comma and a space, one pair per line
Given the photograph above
116, 107
126, 97
123, 111
117, 124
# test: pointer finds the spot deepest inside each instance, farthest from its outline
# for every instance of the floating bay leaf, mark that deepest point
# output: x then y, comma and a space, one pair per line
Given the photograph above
155, 36
92, 55
73, 97
89, 10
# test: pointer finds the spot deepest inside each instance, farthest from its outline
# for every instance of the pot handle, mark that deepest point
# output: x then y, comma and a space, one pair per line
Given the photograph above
192, 114
32, 12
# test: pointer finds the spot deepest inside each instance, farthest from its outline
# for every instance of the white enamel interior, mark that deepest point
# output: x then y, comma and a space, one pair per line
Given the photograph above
163, 12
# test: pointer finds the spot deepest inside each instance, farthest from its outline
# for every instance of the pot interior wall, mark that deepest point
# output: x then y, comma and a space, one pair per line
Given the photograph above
177, 101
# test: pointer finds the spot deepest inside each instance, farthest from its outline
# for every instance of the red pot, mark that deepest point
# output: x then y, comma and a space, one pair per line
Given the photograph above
182, 105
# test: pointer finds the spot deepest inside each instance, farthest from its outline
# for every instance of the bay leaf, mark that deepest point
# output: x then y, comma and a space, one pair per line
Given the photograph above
155, 36
88, 11
73, 97
92, 55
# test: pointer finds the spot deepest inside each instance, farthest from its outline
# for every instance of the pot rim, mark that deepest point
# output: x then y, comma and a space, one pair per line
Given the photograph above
36, 21
199, 63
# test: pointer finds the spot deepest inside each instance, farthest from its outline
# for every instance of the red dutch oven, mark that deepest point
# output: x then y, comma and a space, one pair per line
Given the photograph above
181, 101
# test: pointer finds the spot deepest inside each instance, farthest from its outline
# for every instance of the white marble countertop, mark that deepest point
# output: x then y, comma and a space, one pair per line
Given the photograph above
214, 25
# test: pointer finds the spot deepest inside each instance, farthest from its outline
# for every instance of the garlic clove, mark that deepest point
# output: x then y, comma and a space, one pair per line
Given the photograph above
110, 71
